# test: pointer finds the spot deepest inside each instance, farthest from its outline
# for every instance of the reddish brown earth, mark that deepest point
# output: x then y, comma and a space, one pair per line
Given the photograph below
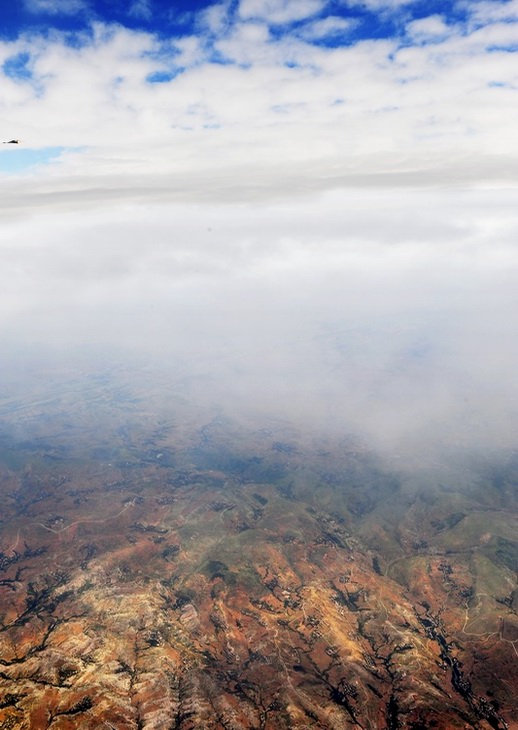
163, 569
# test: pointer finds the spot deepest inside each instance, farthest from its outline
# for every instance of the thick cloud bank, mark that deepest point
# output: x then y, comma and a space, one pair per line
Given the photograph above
390, 312
290, 215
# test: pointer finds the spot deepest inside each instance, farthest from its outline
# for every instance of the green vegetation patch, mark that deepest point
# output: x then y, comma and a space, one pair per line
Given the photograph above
492, 578
473, 530
502, 552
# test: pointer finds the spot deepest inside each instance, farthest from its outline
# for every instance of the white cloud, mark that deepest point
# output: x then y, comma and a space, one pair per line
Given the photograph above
370, 108
326, 28
56, 7
278, 12
432, 28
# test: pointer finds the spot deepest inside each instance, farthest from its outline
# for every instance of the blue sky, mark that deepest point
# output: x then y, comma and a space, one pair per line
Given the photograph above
375, 19
15, 159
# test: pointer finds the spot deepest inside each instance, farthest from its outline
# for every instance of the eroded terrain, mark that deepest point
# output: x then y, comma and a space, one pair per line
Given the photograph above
167, 567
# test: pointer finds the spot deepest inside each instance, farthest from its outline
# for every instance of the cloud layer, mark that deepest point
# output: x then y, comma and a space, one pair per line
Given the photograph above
388, 313
291, 215
235, 93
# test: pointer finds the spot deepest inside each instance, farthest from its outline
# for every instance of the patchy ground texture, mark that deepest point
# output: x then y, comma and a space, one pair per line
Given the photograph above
162, 568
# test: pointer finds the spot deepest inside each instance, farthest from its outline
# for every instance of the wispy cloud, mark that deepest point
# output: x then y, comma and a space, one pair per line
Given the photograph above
326, 28
140, 9
377, 5
278, 12
56, 7
495, 11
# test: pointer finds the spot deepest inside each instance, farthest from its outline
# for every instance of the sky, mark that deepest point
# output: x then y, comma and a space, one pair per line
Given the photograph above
305, 207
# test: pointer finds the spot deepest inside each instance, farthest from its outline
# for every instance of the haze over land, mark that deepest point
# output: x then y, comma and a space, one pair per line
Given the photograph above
389, 311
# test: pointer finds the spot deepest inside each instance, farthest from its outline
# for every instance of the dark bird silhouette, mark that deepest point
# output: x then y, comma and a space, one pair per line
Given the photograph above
13, 141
